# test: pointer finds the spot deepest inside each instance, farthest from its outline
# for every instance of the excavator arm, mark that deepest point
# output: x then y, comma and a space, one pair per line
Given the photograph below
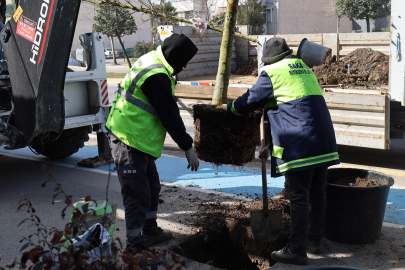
37, 42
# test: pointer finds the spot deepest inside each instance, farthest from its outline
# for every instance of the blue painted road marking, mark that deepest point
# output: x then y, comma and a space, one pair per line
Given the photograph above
225, 179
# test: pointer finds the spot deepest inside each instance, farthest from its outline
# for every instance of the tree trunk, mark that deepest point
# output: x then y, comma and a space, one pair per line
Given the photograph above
225, 55
125, 52
113, 50
338, 23
368, 24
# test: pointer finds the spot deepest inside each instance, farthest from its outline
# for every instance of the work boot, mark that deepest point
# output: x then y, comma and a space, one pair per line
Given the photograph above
155, 234
314, 247
283, 195
287, 256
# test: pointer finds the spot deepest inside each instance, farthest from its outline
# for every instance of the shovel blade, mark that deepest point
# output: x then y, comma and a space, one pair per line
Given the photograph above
266, 228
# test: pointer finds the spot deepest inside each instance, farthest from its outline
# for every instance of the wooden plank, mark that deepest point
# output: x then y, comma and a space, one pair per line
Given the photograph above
207, 91
375, 38
371, 119
354, 107
359, 99
353, 91
361, 136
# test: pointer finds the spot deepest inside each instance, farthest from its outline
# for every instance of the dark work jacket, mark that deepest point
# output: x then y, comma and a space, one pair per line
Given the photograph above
302, 126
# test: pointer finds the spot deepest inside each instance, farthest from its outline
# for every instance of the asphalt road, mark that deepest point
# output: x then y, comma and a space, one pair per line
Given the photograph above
23, 176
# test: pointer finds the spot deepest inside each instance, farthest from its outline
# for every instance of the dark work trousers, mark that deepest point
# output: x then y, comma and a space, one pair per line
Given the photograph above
306, 187
140, 188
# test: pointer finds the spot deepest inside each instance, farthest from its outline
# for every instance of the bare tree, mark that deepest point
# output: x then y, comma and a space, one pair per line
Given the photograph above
203, 9
330, 10
211, 7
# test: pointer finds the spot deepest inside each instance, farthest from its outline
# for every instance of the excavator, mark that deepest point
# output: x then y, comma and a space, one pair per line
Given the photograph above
43, 104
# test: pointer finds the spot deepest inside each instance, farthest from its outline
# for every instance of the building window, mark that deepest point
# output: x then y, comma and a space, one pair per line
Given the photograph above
269, 15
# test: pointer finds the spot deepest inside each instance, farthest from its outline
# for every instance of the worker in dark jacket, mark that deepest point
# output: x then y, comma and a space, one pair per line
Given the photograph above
303, 142
143, 110
3, 7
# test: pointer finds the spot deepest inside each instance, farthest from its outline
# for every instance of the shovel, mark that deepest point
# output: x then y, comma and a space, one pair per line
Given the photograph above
266, 223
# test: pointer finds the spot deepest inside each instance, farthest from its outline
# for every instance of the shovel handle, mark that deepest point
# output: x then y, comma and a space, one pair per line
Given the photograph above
264, 175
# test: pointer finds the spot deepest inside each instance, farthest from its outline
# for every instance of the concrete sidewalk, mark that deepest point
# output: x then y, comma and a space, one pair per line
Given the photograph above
387, 252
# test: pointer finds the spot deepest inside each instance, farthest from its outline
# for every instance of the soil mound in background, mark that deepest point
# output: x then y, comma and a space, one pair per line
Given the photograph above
352, 181
224, 138
248, 68
367, 68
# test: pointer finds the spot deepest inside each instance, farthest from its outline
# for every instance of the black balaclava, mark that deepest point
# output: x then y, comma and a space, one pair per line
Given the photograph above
178, 51
274, 50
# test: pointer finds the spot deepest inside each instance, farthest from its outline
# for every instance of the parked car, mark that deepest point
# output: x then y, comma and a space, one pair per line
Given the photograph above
130, 52
108, 53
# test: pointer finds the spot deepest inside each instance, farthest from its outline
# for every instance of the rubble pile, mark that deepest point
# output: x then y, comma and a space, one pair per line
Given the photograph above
363, 67
248, 68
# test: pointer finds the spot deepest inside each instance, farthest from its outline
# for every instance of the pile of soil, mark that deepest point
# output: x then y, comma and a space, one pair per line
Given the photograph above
352, 181
248, 68
224, 138
225, 231
212, 214
367, 68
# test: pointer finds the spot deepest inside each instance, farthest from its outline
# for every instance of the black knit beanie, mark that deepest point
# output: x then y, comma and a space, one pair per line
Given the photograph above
275, 49
178, 51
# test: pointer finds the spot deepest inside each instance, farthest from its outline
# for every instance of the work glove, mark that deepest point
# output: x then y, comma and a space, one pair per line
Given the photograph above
192, 159
265, 153
223, 107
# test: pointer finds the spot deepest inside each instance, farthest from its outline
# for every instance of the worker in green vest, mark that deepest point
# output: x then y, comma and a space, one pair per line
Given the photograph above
143, 110
303, 143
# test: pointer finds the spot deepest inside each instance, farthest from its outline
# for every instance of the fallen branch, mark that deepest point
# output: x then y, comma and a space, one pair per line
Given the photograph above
148, 11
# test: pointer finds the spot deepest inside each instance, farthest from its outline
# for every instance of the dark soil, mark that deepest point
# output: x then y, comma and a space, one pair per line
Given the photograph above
368, 68
248, 68
223, 138
226, 239
352, 181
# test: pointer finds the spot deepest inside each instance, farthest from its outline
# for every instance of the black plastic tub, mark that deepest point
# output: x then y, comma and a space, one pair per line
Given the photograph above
354, 215
312, 53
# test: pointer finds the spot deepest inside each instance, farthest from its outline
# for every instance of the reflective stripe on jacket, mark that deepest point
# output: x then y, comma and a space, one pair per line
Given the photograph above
133, 119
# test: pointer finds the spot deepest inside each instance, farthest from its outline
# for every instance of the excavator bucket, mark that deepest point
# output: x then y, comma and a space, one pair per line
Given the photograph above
37, 42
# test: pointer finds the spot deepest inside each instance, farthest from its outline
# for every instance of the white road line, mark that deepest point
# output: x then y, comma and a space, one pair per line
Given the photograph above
61, 164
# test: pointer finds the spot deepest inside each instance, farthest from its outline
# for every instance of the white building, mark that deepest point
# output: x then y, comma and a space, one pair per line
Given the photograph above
298, 17
188, 9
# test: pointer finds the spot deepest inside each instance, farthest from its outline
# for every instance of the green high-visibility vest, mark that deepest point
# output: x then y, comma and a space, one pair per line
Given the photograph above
133, 119
291, 79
